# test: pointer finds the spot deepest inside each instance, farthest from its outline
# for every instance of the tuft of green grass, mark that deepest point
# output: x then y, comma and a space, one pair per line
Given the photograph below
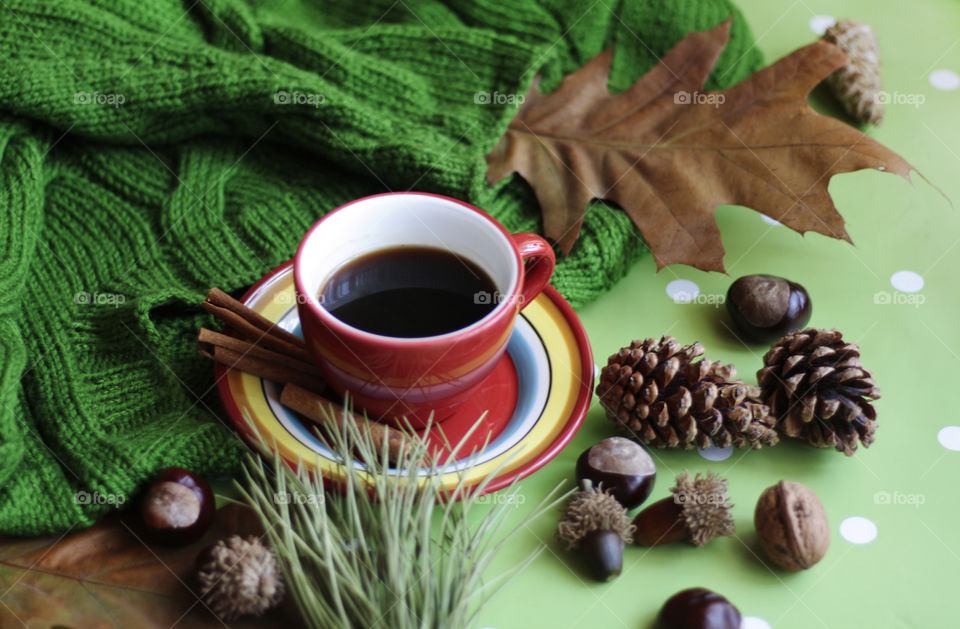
389, 548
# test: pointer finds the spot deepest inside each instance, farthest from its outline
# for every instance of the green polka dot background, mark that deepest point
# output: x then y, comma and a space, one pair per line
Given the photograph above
890, 506
139, 167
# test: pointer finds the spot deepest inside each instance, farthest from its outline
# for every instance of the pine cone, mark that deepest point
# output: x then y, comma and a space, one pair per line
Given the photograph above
657, 393
738, 415
857, 84
818, 390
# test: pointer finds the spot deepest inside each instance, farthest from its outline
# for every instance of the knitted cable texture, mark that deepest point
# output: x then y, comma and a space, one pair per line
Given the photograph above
152, 149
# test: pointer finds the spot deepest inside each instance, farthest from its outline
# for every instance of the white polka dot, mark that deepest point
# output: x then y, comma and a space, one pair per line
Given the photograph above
944, 80
596, 370
682, 291
820, 23
772, 221
949, 437
858, 530
752, 622
906, 281
716, 454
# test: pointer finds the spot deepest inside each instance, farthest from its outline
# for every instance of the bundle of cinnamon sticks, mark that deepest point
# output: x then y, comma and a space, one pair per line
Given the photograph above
262, 348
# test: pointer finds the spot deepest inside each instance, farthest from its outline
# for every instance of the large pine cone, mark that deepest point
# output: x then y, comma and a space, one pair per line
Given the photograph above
658, 393
818, 390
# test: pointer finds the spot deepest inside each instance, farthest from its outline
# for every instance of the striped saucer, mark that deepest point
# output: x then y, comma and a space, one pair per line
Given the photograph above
530, 406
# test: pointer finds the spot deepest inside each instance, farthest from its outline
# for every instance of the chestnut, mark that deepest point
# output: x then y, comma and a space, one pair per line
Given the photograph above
620, 466
765, 308
177, 508
698, 608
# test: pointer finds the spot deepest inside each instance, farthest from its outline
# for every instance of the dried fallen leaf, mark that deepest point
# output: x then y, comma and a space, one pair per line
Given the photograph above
104, 577
669, 153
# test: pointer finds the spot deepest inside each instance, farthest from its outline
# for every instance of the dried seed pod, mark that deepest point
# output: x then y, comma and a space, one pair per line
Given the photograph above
238, 577
698, 511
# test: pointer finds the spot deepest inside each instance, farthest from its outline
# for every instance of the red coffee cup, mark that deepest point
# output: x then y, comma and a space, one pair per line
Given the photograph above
393, 378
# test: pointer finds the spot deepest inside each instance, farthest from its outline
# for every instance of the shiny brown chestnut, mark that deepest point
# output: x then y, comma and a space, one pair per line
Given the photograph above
620, 466
764, 308
698, 608
177, 508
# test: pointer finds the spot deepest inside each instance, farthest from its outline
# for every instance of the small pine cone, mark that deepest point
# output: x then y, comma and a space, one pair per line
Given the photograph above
818, 390
857, 84
658, 393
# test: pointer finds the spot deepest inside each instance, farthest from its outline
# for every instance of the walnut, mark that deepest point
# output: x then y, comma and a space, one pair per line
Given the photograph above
792, 526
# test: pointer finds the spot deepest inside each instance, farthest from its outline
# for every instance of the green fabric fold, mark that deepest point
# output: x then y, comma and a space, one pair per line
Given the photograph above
152, 149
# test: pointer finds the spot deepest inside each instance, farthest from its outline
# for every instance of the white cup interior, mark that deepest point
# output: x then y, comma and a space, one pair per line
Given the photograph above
393, 220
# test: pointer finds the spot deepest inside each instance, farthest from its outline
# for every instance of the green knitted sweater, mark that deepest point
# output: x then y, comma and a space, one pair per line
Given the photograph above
152, 149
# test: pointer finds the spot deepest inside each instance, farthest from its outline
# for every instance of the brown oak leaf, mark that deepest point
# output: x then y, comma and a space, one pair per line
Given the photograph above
108, 577
669, 153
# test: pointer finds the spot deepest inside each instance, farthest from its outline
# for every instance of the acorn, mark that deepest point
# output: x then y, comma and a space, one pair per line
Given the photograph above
698, 608
620, 466
766, 307
697, 512
178, 507
603, 554
597, 524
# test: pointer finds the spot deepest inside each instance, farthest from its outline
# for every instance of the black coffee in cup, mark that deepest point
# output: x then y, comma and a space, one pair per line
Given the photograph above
409, 291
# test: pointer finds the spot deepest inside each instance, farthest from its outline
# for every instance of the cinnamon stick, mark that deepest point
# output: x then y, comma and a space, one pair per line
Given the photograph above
321, 411
268, 351
260, 366
253, 326
210, 337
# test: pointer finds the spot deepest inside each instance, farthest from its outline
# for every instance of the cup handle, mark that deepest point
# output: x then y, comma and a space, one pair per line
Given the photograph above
539, 262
